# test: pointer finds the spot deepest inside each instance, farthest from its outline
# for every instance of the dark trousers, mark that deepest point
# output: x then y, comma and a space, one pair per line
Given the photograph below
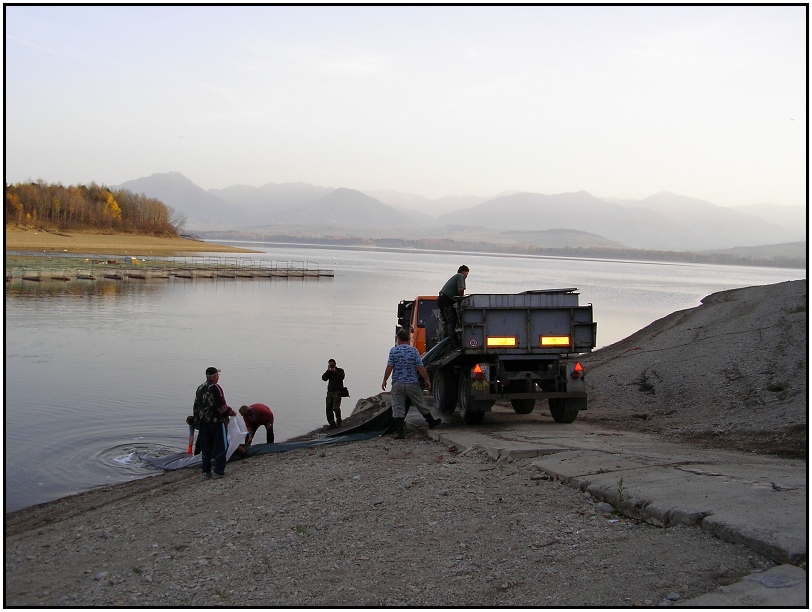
268, 434
448, 313
213, 446
333, 406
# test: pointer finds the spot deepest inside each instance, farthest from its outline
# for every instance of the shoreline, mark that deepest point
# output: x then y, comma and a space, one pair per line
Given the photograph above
92, 243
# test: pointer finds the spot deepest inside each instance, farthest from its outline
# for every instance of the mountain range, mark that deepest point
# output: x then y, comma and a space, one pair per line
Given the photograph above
663, 221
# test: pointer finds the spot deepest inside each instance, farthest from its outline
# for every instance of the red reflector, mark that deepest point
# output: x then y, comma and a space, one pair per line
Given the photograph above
478, 373
579, 367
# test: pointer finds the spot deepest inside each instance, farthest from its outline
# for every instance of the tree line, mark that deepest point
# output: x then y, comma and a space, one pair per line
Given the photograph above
89, 207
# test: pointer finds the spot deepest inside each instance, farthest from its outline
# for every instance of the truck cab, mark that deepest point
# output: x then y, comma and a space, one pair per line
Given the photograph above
422, 316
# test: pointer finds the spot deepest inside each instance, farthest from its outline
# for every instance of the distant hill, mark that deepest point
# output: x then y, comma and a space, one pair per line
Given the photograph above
346, 207
709, 224
556, 238
794, 217
265, 204
581, 211
202, 209
664, 221
791, 251
410, 202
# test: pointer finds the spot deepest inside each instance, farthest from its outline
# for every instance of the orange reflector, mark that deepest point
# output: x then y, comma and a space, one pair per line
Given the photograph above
554, 340
494, 341
478, 372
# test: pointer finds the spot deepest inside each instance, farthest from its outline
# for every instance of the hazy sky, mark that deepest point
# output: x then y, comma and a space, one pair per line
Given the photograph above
708, 102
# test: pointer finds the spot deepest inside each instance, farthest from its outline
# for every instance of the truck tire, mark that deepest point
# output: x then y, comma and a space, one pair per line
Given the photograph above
523, 406
562, 412
444, 388
472, 412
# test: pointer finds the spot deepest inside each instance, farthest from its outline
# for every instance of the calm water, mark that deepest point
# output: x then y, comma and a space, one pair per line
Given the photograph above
101, 373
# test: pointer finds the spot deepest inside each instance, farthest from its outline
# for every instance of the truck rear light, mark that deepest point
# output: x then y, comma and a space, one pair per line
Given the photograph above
554, 340
501, 341
480, 371
578, 370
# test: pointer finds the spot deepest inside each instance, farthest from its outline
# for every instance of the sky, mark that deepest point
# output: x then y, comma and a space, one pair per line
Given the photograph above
620, 101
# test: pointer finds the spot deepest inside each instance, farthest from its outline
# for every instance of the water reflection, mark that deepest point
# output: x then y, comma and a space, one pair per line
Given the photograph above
80, 288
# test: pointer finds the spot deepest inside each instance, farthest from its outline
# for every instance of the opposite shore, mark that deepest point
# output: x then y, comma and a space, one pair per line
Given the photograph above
55, 241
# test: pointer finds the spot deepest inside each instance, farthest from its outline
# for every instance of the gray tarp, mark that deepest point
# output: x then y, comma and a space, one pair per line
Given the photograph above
378, 425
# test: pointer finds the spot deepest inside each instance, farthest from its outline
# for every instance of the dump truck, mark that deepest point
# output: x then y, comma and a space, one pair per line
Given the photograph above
519, 347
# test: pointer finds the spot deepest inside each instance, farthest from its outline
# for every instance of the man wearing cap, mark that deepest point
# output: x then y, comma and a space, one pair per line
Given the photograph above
210, 416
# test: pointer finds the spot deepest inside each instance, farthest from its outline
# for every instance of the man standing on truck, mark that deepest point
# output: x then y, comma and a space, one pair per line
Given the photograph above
450, 294
404, 364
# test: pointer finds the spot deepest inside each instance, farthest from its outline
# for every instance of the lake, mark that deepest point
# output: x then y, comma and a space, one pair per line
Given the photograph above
102, 373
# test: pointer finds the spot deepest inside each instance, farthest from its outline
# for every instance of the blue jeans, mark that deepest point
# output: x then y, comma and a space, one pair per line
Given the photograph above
213, 445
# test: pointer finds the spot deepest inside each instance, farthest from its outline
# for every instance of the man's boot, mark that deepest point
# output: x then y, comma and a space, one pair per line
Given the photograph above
399, 429
432, 421
338, 417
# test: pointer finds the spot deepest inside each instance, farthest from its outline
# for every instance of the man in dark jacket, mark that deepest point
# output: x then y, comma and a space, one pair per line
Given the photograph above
211, 413
335, 382
450, 294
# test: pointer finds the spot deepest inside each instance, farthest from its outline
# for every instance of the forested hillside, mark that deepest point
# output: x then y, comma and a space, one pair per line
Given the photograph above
88, 207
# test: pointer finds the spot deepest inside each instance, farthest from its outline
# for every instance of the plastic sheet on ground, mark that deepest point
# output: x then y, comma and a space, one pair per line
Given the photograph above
376, 426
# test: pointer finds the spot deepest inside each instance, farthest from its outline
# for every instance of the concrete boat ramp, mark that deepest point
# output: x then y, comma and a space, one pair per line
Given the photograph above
754, 500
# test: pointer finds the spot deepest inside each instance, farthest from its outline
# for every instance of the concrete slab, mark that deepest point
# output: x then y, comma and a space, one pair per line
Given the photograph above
778, 587
757, 501
737, 510
743, 498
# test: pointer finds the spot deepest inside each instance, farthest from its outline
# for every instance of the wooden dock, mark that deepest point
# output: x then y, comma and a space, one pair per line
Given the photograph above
37, 268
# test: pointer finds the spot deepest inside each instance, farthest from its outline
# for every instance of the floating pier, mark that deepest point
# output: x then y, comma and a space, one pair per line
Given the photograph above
55, 267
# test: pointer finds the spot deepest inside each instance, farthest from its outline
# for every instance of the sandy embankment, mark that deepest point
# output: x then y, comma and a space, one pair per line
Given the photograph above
54, 241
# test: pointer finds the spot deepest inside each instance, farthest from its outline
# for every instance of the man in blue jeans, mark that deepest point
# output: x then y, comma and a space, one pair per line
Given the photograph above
211, 413
404, 364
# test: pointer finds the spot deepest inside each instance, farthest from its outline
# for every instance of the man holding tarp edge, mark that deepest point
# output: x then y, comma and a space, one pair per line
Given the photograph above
210, 416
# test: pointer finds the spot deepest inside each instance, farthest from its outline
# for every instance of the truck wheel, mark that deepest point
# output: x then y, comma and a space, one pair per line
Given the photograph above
443, 385
562, 412
524, 406
472, 412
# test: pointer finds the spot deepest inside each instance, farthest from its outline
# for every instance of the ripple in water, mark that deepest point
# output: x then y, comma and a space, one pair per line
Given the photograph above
132, 457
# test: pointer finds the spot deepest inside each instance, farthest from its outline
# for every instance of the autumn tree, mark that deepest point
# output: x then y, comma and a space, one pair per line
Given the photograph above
88, 206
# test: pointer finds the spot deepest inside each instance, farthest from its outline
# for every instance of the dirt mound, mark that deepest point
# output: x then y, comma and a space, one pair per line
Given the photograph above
731, 373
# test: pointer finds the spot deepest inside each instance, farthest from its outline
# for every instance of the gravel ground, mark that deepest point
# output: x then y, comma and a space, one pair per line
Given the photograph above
387, 522
376, 523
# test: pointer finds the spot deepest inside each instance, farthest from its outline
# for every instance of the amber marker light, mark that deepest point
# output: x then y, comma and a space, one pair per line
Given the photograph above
554, 340
501, 341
